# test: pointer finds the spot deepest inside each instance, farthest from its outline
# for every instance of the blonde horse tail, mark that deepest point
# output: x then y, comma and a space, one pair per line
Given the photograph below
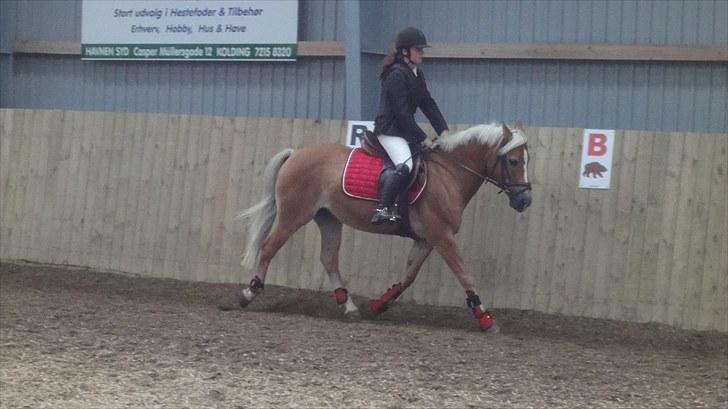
260, 217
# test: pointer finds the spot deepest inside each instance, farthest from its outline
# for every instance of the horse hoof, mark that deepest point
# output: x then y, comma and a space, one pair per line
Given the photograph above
348, 312
246, 297
493, 329
352, 315
243, 302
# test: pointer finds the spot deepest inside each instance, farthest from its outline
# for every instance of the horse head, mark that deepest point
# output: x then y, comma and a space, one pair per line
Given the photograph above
496, 154
510, 172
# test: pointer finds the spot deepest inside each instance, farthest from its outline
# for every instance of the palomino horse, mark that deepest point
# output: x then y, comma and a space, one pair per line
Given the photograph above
457, 166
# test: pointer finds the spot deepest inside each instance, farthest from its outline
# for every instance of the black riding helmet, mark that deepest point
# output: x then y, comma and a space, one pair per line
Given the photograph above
410, 37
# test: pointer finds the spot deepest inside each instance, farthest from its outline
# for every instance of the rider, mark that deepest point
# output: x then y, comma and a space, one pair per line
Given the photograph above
403, 91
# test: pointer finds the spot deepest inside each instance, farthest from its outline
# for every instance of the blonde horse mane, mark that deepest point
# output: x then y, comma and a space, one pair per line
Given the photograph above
486, 134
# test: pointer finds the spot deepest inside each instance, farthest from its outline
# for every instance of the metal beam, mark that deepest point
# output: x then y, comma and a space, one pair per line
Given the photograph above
352, 46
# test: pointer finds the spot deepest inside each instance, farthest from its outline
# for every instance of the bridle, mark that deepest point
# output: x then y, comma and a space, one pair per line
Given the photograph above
505, 186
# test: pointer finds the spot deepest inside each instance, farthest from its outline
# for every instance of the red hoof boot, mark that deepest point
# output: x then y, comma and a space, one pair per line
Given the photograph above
376, 306
341, 295
379, 305
485, 319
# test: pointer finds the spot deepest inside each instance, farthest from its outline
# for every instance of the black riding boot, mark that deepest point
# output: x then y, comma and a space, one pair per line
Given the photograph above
393, 183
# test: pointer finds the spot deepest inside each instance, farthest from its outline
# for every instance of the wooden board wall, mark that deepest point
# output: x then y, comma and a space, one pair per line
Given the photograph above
156, 195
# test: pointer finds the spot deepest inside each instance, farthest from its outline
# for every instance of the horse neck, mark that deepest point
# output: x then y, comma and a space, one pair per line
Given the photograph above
476, 157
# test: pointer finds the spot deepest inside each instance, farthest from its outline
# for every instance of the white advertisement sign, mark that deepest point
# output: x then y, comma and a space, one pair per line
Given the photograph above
189, 30
596, 159
355, 131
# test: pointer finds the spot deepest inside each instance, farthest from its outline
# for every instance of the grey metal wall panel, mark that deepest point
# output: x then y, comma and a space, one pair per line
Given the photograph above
635, 95
8, 25
623, 95
321, 20
596, 21
44, 20
371, 21
719, 16
308, 88
7, 91
370, 86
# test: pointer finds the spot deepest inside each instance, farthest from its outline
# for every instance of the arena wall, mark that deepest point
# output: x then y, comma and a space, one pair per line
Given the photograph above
156, 195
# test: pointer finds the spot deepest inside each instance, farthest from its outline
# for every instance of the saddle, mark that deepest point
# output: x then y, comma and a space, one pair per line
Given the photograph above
370, 144
364, 170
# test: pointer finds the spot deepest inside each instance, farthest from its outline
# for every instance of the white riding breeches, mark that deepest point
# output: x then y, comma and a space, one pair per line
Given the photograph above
397, 149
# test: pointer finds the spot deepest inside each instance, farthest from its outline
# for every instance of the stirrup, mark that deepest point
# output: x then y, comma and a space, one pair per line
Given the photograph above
385, 215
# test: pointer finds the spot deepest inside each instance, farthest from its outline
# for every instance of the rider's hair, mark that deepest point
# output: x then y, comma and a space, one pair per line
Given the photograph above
394, 56
389, 60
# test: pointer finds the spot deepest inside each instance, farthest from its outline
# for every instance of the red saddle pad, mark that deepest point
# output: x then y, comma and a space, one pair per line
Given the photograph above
361, 176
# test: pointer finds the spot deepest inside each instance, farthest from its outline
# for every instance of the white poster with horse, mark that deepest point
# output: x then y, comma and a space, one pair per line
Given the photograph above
595, 171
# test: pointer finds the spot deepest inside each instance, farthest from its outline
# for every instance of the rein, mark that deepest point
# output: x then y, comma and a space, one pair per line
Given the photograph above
506, 186
486, 179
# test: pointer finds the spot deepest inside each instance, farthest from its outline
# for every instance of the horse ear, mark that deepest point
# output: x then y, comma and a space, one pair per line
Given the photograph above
519, 124
506, 132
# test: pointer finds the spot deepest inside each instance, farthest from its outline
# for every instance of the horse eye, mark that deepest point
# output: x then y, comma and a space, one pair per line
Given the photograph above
513, 162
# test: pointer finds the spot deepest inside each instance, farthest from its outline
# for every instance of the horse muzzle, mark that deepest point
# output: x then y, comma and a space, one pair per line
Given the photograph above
520, 200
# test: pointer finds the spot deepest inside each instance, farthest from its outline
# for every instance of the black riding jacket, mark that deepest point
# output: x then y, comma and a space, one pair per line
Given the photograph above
402, 93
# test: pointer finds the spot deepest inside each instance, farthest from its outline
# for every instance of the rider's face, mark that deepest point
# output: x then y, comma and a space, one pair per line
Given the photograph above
416, 54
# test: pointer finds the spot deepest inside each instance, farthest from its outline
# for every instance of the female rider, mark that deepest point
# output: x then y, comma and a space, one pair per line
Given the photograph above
403, 91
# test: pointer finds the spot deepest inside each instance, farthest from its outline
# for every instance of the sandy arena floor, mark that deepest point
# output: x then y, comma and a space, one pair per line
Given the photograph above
75, 338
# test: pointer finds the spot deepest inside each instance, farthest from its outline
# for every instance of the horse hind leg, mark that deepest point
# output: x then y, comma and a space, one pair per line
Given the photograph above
270, 246
285, 225
330, 228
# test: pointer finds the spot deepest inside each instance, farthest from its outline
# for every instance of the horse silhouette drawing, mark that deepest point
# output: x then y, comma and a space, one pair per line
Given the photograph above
594, 169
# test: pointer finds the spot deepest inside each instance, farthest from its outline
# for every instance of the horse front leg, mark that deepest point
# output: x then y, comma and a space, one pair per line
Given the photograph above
449, 251
416, 257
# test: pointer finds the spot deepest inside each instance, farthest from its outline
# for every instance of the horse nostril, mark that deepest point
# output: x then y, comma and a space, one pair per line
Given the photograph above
521, 202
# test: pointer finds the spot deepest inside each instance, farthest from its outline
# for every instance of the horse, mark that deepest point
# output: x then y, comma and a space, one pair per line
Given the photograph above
457, 166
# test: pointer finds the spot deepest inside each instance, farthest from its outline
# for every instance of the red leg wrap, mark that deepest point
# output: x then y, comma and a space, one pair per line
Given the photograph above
376, 305
485, 319
341, 295
379, 305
